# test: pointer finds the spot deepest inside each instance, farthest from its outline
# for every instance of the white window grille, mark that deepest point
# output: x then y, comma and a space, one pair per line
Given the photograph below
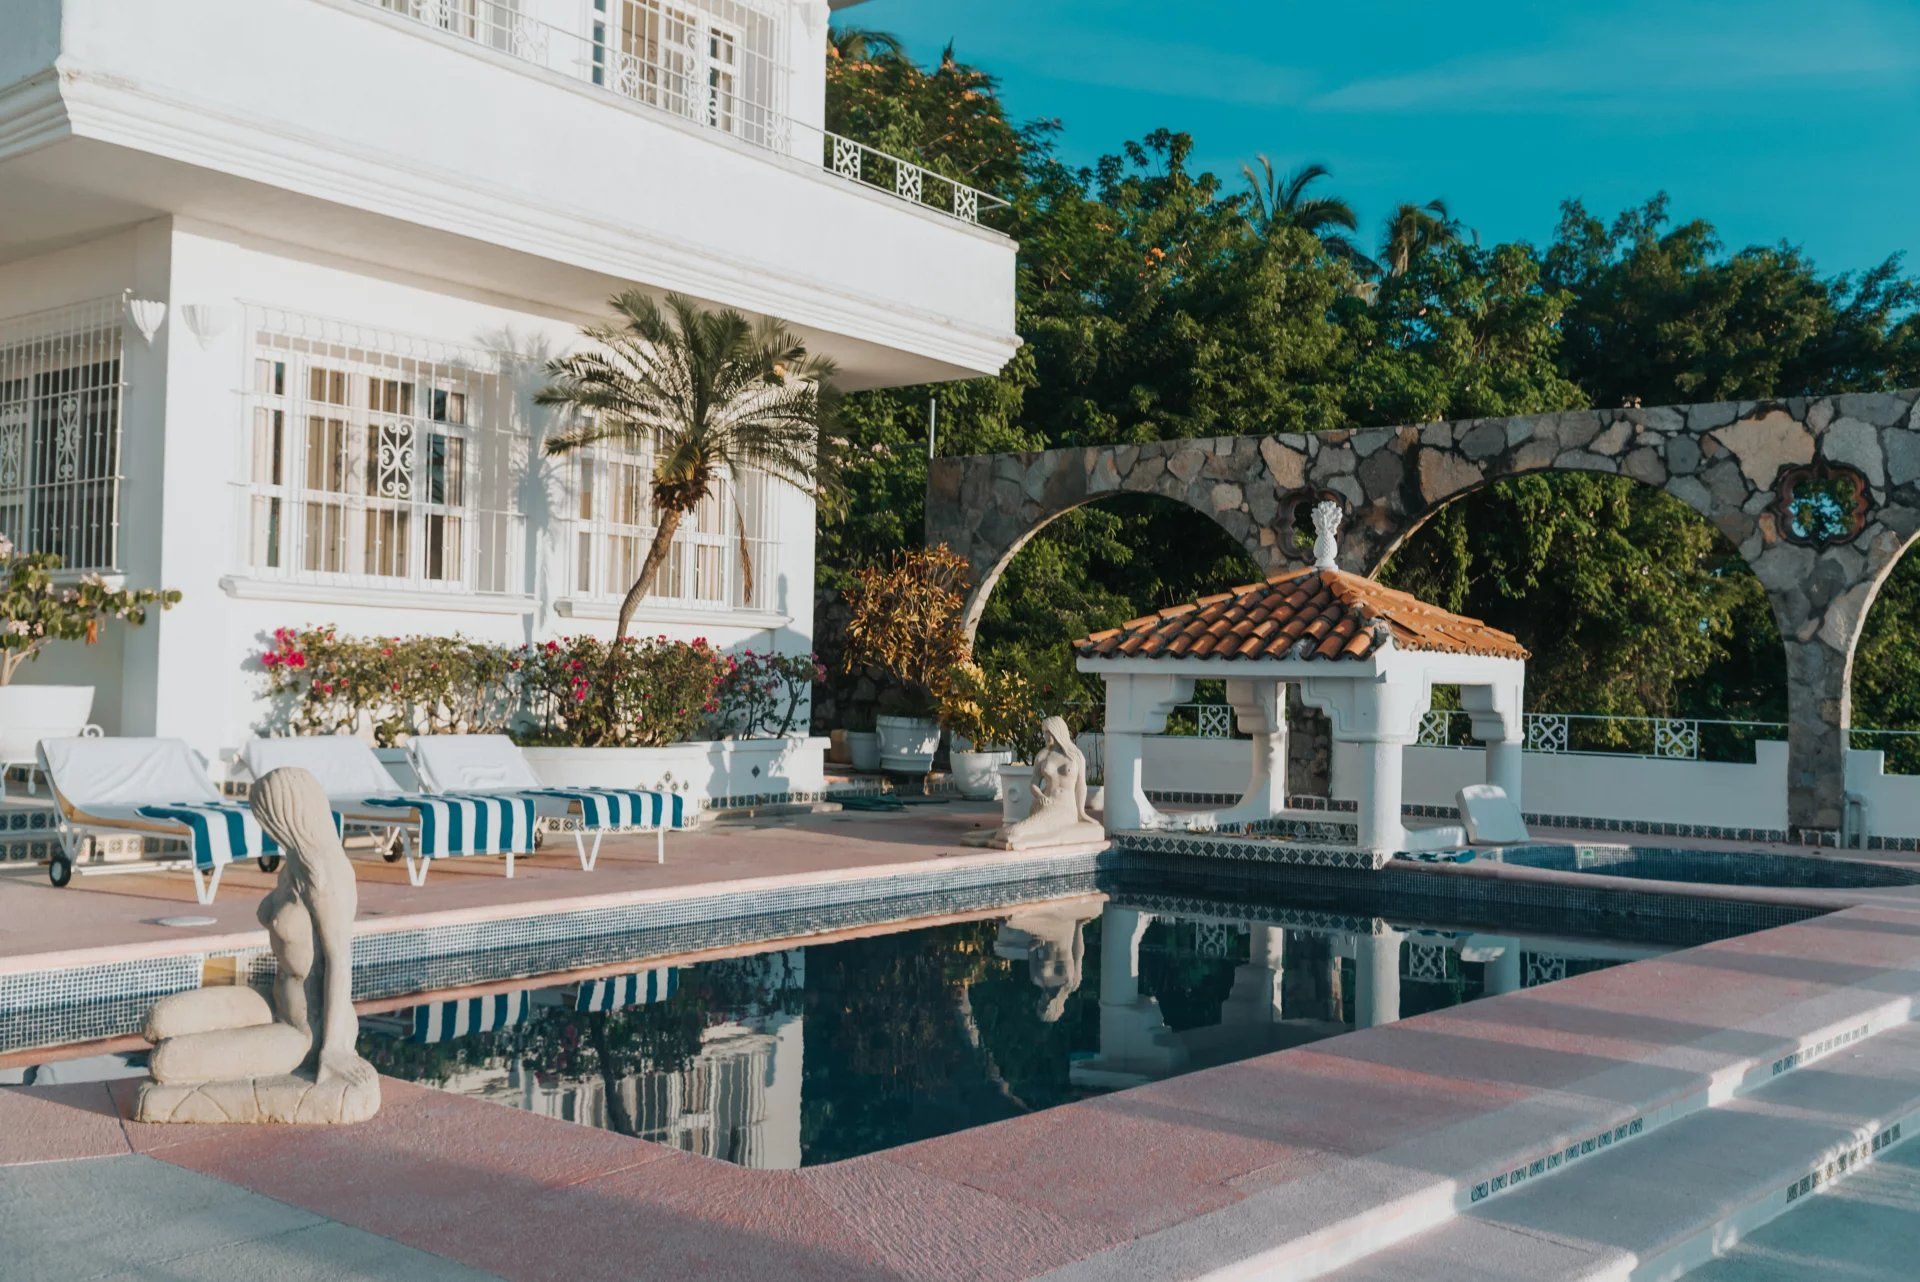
381, 460
62, 380
717, 62
721, 556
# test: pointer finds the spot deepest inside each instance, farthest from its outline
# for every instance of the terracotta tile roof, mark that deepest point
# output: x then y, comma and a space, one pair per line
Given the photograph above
1340, 615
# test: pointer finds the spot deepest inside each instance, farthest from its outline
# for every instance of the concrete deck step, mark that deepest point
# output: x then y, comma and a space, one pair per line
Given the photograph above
1666, 1203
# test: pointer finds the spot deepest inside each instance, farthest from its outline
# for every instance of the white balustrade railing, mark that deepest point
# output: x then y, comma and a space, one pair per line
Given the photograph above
1669, 738
717, 63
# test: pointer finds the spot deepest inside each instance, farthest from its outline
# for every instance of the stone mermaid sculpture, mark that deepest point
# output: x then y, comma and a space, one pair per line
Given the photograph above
1059, 815
229, 1054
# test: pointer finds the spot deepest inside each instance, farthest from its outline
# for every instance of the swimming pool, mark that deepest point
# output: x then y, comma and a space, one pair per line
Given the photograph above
1706, 867
804, 1055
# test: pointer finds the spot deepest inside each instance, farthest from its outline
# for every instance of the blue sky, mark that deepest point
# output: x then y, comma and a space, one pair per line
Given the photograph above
1775, 121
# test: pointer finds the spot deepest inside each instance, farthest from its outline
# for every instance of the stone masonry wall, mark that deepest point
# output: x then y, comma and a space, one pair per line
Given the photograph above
1756, 469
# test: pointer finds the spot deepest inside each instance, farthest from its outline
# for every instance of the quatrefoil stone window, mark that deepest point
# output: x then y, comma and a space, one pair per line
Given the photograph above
1821, 504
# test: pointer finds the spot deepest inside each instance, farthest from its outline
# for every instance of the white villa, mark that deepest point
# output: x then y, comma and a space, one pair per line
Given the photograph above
277, 276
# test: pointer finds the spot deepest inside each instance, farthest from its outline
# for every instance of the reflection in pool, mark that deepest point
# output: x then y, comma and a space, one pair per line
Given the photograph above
809, 1055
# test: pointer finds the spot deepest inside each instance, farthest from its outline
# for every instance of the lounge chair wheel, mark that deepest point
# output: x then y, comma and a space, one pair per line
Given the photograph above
270, 863
59, 870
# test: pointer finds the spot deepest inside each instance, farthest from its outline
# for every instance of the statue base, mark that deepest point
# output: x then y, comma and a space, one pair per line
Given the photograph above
286, 1098
1082, 834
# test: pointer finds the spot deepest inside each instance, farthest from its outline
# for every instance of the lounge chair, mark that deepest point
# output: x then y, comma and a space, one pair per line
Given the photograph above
147, 787
457, 764
423, 828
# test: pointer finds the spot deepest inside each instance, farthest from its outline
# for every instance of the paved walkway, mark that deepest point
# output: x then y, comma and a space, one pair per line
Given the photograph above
124, 910
131, 1217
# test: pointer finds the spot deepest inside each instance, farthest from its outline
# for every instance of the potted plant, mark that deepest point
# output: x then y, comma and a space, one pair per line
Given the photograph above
863, 745
994, 714
35, 611
905, 620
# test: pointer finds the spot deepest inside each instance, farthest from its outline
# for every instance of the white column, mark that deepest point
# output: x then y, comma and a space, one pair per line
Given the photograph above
1137, 706
1120, 933
1381, 828
1503, 972
1379, 711
1260, 709
1376, 972
1499, 723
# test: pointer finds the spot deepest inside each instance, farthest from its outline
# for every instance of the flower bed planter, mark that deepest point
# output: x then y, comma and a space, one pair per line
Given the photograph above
708, 772
30, 713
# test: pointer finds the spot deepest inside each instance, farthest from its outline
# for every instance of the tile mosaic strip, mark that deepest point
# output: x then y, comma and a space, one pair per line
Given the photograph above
1598, 1142
1806, 1055
1251, 848
1837, 1166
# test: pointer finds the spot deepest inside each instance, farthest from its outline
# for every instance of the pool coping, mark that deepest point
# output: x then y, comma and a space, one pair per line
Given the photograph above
1220, 1169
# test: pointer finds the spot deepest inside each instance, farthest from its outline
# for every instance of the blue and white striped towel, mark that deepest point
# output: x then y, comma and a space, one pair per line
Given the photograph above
444, 1021
221, 831
621, 807
622, 991
459, 824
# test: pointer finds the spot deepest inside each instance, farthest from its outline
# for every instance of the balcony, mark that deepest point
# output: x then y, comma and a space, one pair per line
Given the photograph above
716, 64
670, 144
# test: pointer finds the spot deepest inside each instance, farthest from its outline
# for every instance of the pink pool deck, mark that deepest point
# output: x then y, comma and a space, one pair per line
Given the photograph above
1297, 1160
117, 917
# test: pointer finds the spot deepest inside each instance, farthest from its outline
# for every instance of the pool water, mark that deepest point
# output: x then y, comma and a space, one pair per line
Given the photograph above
1707, 867
804, 1055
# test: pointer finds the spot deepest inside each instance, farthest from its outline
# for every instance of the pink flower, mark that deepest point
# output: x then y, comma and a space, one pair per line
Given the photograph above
270, 659
296, 660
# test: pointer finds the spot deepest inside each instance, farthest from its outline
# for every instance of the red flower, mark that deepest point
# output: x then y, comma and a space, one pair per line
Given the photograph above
296, 660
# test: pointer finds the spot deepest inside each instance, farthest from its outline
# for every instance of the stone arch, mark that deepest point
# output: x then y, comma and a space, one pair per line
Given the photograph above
1724, 459
993, 513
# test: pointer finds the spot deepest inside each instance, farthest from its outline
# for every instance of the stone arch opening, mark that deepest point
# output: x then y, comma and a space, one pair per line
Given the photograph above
1881, 666
991, 562
1707, 648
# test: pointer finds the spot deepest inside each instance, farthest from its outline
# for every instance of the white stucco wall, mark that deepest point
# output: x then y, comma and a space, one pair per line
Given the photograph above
193, 671
335, 123
1605, 786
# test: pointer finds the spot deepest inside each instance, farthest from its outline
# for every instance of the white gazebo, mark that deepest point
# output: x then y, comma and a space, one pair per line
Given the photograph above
1366, 655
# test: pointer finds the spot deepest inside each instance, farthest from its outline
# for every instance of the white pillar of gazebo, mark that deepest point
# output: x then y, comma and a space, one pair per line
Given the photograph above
1382, 713
1376, 974
1499, 723
1137, 706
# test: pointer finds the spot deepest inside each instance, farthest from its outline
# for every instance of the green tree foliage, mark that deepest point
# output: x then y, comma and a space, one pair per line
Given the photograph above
1157, 301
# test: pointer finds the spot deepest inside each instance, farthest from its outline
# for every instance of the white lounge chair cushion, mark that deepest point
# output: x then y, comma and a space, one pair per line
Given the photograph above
487, 763
1490, 817
98, 775
345, 766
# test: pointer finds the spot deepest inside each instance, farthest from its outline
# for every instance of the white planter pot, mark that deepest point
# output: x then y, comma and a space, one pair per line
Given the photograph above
30, 713
907, 744
1016, 793
863, 749
977, 774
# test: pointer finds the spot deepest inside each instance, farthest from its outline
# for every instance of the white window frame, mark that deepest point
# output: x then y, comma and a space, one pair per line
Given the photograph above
707, 546
347, 440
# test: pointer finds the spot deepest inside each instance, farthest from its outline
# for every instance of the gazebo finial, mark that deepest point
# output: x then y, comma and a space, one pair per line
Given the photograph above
1326, 542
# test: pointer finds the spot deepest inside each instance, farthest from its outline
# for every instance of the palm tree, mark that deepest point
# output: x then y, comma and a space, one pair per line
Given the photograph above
1283, 202
1415, 230
712, 394
858, 44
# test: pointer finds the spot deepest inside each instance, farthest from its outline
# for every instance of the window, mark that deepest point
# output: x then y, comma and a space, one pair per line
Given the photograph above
720, 555
370, 464
717, 64
60, 393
